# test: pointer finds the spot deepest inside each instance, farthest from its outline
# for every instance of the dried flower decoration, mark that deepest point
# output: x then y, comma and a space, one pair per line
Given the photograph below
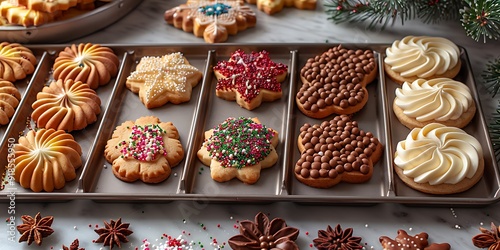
35, 229
488, 238
113, 233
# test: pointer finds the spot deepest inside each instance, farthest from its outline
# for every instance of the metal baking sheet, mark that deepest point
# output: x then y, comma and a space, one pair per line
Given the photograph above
191, 180
70, 29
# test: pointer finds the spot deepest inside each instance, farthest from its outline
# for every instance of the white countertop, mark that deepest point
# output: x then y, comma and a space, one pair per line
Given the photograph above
201, 221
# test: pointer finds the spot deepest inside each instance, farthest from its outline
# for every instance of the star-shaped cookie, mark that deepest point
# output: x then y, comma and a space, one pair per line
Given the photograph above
273, 6
159, 80
249, 78
239, 148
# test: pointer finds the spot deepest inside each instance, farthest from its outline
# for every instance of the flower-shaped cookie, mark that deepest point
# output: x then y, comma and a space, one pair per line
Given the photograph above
16, 61
334, 151
214, 20
146, 149
158, 80
263, 233
239, 148
249, 78
337, 239
407, 242
273, 6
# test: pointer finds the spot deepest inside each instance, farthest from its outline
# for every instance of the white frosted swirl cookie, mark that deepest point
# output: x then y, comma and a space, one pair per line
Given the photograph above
46, 159
424, 57
440, 100
439, 159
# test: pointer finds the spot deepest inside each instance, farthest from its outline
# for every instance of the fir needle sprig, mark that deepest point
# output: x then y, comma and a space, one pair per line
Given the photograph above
491, 76
494, 130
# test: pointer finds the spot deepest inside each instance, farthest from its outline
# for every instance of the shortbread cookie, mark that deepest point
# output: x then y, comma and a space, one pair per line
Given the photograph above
16, 60
89, 63
273, 6
159, 80
20, 15
335, 82
336, 151
145, 149
9, 100
421, 57
404, 241
66, 105
249, 78
45, 5
212, 20
239, 148
440, 100
439, 159
46, 159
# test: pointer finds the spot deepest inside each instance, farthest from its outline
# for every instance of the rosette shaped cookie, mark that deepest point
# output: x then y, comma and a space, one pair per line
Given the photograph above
9, 99
439, 159
239, 148
263, 233
145, 149
249, 78
46, 159
335, 151
66, 105
92, 64
440, 100
159, 80
335, 82
213, 20
16, 60
424, 57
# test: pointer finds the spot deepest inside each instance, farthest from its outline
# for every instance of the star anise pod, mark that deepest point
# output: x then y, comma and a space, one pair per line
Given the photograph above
34, 229
113, 233
74, 246
488, 238
333, 239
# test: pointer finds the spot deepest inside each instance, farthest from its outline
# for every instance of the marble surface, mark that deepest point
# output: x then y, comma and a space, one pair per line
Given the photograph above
202, 222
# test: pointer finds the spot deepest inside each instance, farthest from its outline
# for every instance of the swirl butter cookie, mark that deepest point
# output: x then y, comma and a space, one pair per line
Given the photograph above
274, 6
9, 100
439, 159
212, 20
145, 149
16, 60
159, 80
335, 151
424, 57
249, 78
335, 82
440, 100
239, 148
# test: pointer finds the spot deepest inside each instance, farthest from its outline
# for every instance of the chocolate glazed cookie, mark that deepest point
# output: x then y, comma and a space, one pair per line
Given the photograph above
335, 151
335, 82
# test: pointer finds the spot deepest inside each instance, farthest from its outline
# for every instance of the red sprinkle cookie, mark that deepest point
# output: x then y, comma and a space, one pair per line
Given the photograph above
335, 151
239, 148
406, 242
249, 78
335, 82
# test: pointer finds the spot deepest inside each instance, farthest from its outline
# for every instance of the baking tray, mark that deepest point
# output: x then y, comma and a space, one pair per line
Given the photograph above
72, 28
191, 180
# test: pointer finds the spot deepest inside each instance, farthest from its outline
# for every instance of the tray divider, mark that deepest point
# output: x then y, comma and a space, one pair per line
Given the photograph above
289, 126
196, 130
386, 108
112, 108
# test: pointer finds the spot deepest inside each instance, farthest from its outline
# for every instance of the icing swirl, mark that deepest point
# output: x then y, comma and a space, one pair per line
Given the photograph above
438, 154
422, 56
439, 99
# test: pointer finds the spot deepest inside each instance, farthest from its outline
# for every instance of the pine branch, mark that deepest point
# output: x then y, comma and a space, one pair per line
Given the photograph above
481, 19
433, 11
494, 130
491, 76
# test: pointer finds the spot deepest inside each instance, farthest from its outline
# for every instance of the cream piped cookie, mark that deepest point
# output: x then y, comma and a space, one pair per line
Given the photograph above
439, 159
159, 80
441, 100
424, 57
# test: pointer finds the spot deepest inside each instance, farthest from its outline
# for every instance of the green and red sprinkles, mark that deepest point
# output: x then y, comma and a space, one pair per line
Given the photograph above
145, 143
239, 142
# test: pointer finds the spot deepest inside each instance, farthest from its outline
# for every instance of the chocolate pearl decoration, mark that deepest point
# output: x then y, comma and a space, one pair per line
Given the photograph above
335, 77
335, 147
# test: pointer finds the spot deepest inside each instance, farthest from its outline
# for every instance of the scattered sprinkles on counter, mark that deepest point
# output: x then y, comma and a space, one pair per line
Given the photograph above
145, 143
240, 142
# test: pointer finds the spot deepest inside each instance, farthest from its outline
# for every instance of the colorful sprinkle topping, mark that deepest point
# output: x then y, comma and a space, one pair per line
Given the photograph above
248, 73
239, 142
145, 143
214, 9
